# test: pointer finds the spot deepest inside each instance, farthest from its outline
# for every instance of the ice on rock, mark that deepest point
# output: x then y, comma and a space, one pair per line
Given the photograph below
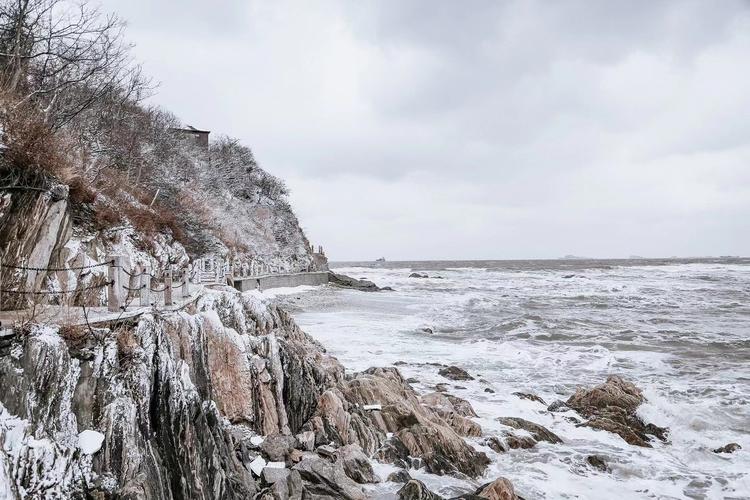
90, 441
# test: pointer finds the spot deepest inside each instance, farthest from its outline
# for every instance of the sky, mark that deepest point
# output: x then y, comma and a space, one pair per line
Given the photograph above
437, 129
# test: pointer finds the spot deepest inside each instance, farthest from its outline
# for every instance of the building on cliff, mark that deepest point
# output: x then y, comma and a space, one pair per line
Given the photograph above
200, 137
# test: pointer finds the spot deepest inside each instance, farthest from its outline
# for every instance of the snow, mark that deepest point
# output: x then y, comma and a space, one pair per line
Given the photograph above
372, 407
256, 440
90, 441
276, 465
257, 466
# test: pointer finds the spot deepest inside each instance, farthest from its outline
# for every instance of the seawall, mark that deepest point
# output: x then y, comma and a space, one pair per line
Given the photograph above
281, 280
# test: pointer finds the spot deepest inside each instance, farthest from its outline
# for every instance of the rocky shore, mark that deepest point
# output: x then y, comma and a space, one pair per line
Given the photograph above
228, 398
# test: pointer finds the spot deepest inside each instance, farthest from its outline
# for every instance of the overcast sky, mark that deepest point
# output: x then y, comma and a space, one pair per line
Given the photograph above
479, 129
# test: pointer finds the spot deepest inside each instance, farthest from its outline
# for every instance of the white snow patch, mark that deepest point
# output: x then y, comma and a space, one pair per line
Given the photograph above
256, 440
276, 465
372, 407
257, 466
90, 441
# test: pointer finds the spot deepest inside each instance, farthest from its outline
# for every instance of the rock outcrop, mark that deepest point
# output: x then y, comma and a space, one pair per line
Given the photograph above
611, 407
343, 281
196, 403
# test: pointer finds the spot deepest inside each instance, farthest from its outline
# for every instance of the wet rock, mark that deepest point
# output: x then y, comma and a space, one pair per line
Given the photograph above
400, 476
343, 281
597, 462
538, 432
455, 373
729, 448
611, 407
412, 380
341, 419
499, 489
277, 447
461, 406
441, 387
394, 452
442, 450
356, 464
530, 397
495, 444
558, 405
400, 363
426, 330
517, 442
487, 389
416, 490
418, 275
322, 478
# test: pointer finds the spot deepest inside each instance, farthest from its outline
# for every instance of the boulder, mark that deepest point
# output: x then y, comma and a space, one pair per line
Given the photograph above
272, 475
517, 442
416, 490
321, 478
400, 476
418, 275
729, 448
277, 447
356, 464
611, 407
499, 489
538, 432
290, 489
442, 450
455, 373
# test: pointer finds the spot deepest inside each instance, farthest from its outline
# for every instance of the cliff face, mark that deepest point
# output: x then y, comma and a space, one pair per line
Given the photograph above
176, 403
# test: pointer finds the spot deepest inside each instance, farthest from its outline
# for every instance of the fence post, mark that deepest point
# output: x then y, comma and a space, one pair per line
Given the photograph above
113, 289
185, 284
146, 286
168, 287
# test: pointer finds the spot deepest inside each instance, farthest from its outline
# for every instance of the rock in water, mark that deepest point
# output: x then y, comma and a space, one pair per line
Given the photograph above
539, 432
416, 490
400, 476
455, 373
499, 489
530, 397
597, 462
729, 448
343, 281
611, 407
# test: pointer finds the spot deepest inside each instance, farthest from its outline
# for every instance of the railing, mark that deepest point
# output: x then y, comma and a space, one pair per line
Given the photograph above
123, 286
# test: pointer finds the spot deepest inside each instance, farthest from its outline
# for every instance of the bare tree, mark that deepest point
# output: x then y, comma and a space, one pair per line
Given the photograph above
65, 57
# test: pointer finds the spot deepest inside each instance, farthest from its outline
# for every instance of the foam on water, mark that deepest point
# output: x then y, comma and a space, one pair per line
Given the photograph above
680, 331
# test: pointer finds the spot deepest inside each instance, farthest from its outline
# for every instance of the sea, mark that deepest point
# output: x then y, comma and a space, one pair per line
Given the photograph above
678, 329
